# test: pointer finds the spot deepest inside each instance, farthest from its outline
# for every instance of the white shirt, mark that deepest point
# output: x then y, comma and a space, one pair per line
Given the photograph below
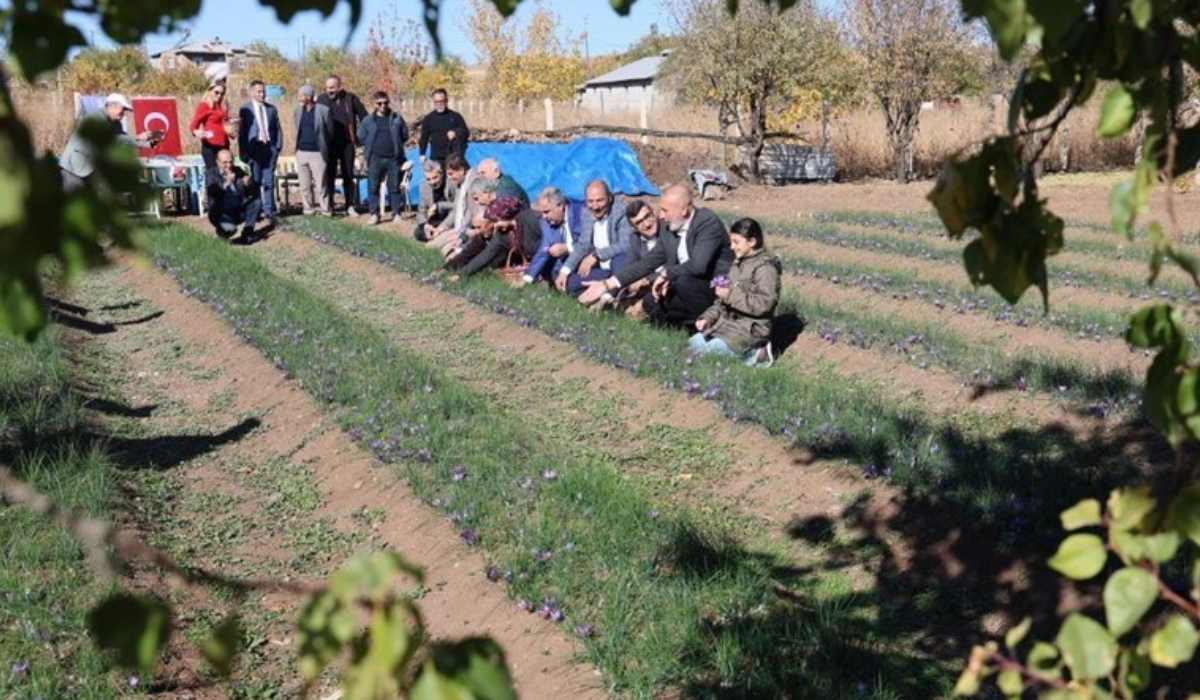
260, 116
566, 233
600, 240
682, 252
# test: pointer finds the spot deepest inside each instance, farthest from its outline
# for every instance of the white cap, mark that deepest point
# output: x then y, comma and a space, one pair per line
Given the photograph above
118, 98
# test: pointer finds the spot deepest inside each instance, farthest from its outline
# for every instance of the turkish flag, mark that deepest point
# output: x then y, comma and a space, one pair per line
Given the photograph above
158, 114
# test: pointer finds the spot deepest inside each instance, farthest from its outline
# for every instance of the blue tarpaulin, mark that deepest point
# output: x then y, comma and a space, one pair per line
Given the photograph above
568, 166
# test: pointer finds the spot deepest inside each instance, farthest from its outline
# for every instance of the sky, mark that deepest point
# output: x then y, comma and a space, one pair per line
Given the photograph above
243, 21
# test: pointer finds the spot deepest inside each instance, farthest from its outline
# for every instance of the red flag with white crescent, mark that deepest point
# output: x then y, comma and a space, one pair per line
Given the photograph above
158, 114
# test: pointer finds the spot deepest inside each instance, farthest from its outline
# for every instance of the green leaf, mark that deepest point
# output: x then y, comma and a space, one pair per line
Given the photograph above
622, 6
432, 685
1135, 671
1158, 548
40, 40
1156, 326
220, 647
1141, 11
323, 629
1184, 513
1128, 595
1174, 643
1006, 20
135, 628
1087, 648
1009, 683
1043, 661
1116, 113
1128, 507
1085, 513
478, 665
1014, 636
1079, 557
378, 668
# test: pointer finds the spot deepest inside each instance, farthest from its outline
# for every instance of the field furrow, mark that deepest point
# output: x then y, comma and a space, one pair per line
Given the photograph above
666, 588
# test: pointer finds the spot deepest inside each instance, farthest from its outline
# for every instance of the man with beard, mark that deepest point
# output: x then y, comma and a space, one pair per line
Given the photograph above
443, 130
346, 111
693, 249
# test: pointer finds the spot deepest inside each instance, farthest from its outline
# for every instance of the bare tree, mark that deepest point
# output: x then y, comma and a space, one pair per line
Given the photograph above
746, 63
913, 51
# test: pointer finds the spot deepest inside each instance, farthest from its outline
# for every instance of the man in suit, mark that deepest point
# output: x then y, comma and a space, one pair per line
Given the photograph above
693, 249
347, 112
382, 135
233, 198
604, 238
314, 130
260, 140
443, 131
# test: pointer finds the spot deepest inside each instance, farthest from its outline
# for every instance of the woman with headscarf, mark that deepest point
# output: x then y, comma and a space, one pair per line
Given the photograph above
509, 229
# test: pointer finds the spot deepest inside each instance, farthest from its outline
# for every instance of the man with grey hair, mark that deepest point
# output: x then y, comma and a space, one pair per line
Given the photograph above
560, 235
489, 168
435, 206
314, 132
604, 238
483, 192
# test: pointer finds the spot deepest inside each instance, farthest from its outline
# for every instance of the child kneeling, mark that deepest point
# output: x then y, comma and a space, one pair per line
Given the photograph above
738, 324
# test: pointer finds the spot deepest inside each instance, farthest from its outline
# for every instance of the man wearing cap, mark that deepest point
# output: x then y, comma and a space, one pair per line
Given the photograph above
314, 131
78, 161
260, 140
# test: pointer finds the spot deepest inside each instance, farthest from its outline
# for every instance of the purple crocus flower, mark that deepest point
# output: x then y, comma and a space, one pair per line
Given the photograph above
493, 574
585, 631
469, 536
458, 473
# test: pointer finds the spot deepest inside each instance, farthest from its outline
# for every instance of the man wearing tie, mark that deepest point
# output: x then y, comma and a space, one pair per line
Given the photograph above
260, 140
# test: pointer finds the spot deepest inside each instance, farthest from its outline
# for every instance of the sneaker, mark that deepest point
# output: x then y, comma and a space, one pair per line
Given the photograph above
374, 220
763, 357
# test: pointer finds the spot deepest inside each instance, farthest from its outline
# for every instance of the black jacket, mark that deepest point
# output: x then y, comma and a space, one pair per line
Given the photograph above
495, 251
345, 111
214, 184
708, 249
433, 133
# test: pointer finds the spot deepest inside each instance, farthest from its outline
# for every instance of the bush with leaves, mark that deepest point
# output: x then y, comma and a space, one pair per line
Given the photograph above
1139, 48
101, 71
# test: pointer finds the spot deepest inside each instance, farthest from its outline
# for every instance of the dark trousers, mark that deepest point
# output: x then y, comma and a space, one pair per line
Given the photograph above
209, 153
341, 157
575, 280
687, 298
378, 170
226, 220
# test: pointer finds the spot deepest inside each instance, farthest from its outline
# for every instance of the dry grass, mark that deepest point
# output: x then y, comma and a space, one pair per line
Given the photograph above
858, 139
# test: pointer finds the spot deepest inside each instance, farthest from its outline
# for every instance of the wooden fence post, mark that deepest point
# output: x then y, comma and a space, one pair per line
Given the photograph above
521, 106
644, 118
549, 106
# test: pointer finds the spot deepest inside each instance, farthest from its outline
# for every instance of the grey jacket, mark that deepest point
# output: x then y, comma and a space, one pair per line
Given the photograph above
445, 205
323, 123
77, 156
620, 234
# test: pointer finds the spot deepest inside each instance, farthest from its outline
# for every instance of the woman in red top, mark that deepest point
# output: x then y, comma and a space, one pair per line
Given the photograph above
208, 124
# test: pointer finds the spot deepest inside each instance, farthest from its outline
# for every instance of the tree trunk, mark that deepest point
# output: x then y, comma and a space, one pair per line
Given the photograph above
901, 119
754, 149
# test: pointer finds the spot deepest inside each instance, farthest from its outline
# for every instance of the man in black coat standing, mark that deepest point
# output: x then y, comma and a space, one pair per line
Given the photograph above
443, 130
693, 249
345, 111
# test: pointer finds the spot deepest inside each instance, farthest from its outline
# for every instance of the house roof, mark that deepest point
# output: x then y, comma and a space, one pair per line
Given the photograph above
641, 70
214, 45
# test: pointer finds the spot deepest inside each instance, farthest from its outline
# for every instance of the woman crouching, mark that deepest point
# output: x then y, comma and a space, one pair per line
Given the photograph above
739, 322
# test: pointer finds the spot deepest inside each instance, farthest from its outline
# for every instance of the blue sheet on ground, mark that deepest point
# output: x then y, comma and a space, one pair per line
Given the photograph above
568, 166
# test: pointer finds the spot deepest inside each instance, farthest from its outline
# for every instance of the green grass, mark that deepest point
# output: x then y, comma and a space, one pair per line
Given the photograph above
1009, 480
45, 585
676, 602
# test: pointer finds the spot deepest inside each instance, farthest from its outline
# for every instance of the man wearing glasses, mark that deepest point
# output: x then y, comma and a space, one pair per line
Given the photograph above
382, 135
443, 130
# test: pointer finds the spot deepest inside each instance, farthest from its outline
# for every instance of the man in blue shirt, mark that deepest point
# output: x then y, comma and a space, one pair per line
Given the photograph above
383, 134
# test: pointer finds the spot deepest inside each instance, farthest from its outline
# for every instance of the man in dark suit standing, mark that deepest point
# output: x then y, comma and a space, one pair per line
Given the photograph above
346, 111
692, 250
443, 130
260, 140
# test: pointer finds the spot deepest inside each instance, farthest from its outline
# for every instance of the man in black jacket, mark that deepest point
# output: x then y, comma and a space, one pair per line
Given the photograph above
443, 130
232, 198
692, 250
345, 111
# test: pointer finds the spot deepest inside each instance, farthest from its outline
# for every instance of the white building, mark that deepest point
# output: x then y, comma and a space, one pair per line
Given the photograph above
202, 54
623, 89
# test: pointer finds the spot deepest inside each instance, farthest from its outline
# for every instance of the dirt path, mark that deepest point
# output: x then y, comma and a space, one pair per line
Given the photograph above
360, 500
